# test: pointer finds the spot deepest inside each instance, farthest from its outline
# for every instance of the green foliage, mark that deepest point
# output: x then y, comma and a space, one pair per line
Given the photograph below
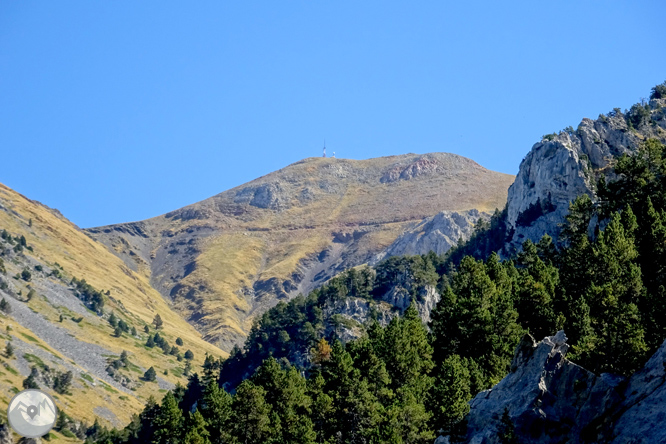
549, 137
9, 350
93, 298
179, 342
189, 355
5, 307
412, 273
26, 275
150, 375
476, 319
659, 91
31, 381
157, 321
451, 394
168, 421
488, 237
113, 321
294, 382
196, 432
251, 415
62, 382
638, 115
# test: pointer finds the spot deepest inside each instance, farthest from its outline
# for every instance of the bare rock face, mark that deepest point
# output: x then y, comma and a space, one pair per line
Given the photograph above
438, 233
549, 399
552, 400
642, 415
564, 166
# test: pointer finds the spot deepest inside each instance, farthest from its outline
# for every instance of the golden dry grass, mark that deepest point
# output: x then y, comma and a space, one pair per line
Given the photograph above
56, 240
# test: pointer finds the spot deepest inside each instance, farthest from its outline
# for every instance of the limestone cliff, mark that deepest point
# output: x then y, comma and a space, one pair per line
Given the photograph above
563, 166
437, 233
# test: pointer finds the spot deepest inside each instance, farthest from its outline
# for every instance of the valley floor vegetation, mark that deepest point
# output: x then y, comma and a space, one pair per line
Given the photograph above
296, 382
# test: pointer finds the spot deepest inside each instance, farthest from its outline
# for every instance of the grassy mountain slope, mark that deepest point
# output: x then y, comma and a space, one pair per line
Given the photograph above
50, 327
229, 258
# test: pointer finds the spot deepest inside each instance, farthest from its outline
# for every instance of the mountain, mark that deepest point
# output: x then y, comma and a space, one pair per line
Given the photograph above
58, 289
565, 165
225, 260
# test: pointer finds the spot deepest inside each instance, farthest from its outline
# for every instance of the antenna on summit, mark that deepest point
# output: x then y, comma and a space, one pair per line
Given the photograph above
324, 148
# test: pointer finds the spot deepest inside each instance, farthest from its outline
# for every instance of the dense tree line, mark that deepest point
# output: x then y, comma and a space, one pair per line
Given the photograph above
294, 382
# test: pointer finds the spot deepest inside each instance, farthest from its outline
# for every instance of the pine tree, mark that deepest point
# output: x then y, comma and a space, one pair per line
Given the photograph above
113, 321
9, 350
476, 320
616, 289
451, 394
216, 410
251, 415
286, 393
179, 342
537, 285
168, 422
146, 329
118, 332
195, 429
31, 381
157, 321
189, 355
407, 353
5, 307
211, 370
150, 375
134, 332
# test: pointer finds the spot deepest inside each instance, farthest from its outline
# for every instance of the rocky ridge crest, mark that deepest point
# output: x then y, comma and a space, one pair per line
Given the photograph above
563, 166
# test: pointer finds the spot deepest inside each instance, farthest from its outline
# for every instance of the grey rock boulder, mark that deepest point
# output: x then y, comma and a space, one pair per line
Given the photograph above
549, 399
642, 416
552, 400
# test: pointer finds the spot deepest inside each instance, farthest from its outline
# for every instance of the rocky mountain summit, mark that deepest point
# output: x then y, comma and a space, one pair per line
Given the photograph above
565, 165
226, 259
549, 399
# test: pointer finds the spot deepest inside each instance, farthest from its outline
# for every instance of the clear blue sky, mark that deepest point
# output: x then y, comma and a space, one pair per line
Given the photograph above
114, 111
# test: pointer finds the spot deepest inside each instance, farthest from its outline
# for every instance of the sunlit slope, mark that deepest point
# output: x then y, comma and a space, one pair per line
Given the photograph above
55, 329
230, 257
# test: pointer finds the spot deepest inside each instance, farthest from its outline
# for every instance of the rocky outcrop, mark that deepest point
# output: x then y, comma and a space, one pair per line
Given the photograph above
565, 165
353, 313
642, 415
437, 233
552, 400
